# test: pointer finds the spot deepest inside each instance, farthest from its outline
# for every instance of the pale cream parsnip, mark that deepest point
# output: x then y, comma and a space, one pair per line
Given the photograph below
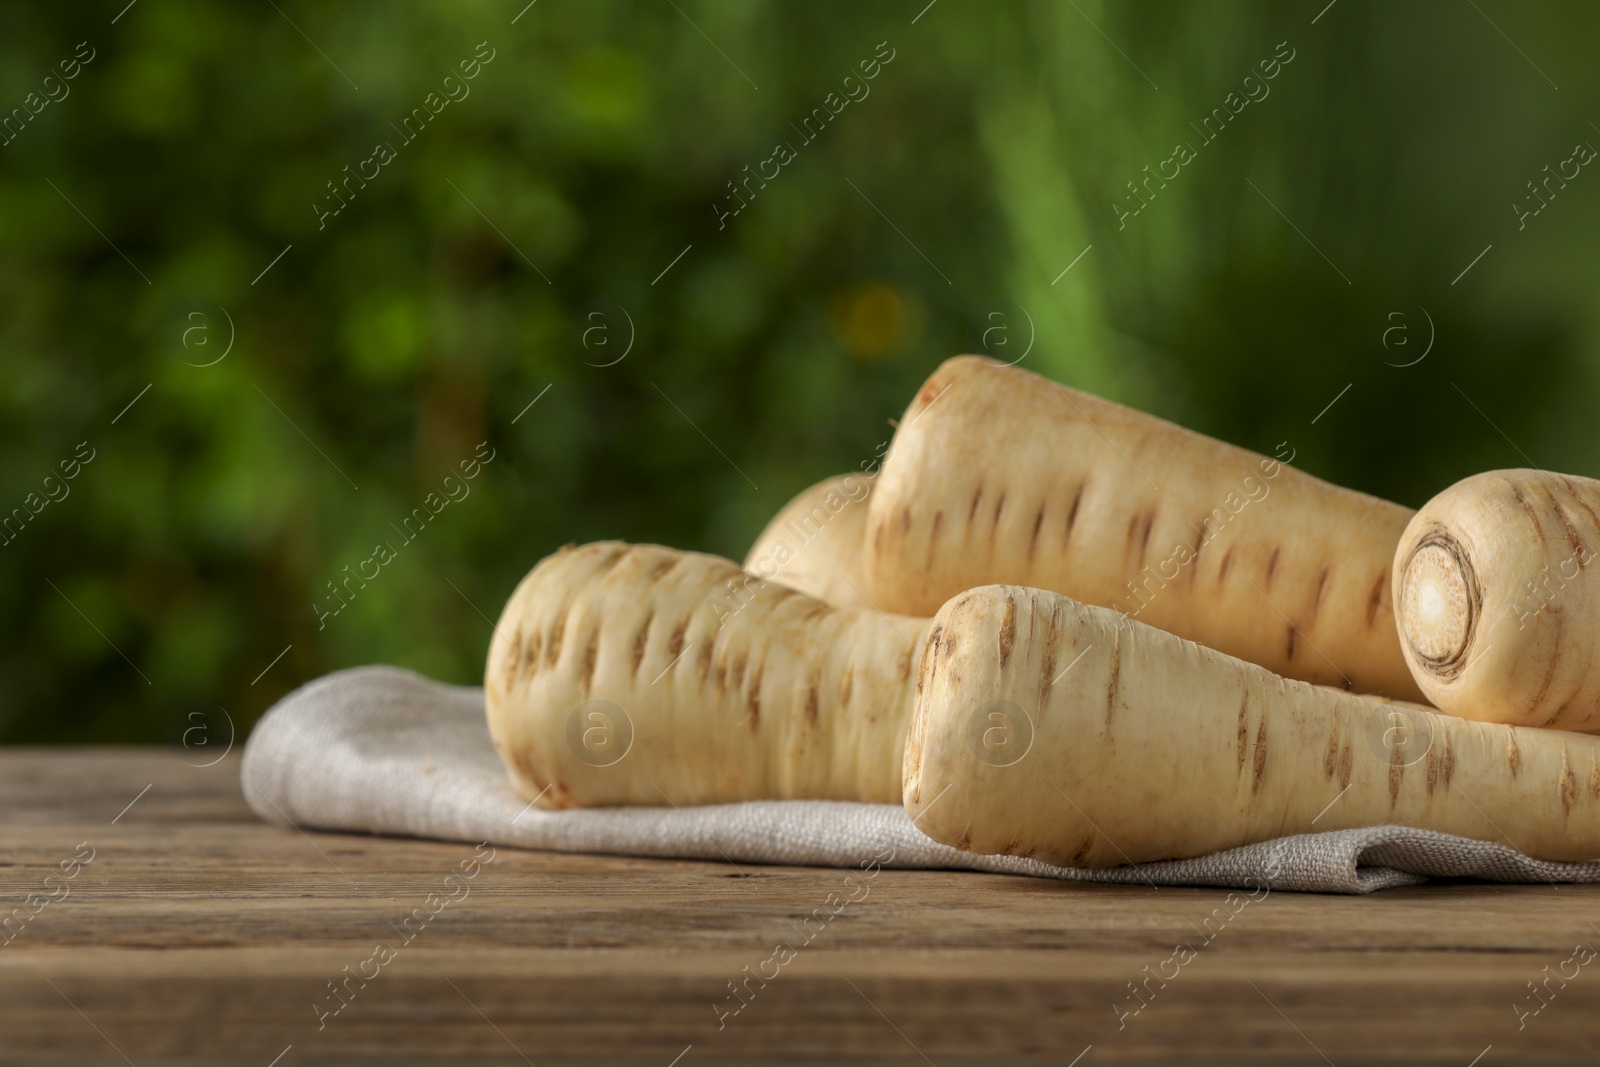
1497, 591
1128, 743
998, 475
613, 678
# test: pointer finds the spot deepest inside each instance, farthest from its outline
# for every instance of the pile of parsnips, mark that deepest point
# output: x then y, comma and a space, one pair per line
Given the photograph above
1055, 627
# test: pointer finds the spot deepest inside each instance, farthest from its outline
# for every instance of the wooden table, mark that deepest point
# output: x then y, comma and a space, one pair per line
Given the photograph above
197, 934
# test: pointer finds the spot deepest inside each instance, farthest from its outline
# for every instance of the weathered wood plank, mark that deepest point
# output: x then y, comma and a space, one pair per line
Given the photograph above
197, 934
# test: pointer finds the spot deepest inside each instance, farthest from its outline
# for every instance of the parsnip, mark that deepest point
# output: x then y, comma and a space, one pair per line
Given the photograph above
1499, 611
814, 543
998, 475
1053, 729
634, 674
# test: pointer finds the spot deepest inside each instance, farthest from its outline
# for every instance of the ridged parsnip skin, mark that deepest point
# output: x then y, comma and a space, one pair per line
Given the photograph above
999, 475
1497, 592
814, 543
788, 698
1152, 747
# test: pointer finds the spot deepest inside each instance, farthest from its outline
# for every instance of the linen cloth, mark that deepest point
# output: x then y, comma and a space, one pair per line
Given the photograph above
386, 751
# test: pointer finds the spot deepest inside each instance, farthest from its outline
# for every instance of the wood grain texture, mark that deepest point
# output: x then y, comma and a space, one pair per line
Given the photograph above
199, 935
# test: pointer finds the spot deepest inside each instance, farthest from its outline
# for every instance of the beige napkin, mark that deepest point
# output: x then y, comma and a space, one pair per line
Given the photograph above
385, 751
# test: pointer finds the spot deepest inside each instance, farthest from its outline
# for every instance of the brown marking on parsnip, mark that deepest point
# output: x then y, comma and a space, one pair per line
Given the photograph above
1116, 674
1513, 754
552, 648
660, 568
1555, 661
612, 558
753, 700
1322, 584
737, 669
704, 665
1227, 561
1008, 630
1244, 728
1568, 785
846, 685
1347, 764
1449, 763
905, 520
1047, 673
1376, 599
1571, 531
675, 644
815, 611
1272, 567
591, 653
720, 676
1033, 541
906, 658
1397, 774
1260, 756
1594, 781
877, 541
1331, 762
933, 538
972, 512
1577, 498
639, 640
1144, 538
999, 503
1433, 769
1293, 635
813, 696
1072, 513
964, 842
1083, 851
1011, 846
1533, 515
530, 651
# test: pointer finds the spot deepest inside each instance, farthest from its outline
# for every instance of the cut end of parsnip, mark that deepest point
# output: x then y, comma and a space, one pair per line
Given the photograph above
1436, 605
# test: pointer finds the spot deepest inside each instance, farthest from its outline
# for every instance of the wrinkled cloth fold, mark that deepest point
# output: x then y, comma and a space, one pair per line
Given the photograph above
385, 751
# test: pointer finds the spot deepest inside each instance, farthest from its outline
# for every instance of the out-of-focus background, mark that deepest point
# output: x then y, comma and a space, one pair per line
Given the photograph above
271, 271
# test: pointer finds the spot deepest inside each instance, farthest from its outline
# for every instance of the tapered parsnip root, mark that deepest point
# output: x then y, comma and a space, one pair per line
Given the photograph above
814, 543
633, 674
1049, 728
999, 475
1498, 599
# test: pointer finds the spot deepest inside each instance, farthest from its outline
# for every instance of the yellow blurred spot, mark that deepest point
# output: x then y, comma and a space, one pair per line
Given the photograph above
873, 320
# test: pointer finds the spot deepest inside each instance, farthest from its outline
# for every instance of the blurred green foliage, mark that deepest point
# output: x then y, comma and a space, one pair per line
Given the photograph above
524, 238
